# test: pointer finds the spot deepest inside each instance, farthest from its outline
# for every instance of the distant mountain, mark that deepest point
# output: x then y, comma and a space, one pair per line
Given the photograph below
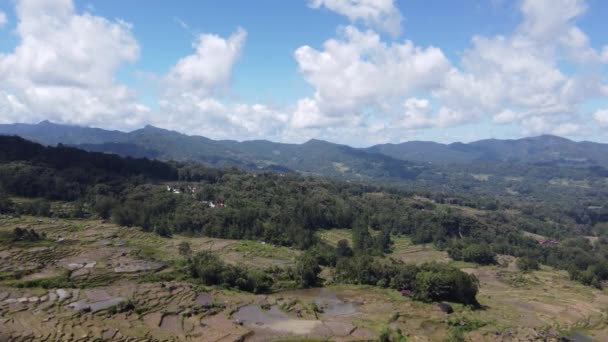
52, 134
541, 149
387, 161
314, 157
424, 151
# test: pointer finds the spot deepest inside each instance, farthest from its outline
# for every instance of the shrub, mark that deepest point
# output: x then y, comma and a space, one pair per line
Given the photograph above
210, 270
307, 270
527, 264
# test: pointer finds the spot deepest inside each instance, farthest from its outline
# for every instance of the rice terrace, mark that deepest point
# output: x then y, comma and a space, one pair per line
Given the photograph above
304, 171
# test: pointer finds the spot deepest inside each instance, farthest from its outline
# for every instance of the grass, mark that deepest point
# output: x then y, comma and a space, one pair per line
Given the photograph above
264, 250
332, 236
62, 280
570, 182
463, 264
419, 254
302, 340
481, 177
511, 299
401, 242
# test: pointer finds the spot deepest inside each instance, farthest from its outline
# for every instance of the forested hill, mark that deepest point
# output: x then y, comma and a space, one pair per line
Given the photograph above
291, 210
541, 149
314, 157
30, 169
389, 161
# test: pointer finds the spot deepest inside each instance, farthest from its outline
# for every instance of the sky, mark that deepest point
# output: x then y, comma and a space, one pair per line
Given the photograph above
358, 72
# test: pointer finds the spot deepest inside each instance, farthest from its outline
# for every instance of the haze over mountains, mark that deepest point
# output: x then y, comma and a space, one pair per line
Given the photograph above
404, 160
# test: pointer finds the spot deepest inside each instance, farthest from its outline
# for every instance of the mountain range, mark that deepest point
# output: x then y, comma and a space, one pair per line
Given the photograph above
316, 157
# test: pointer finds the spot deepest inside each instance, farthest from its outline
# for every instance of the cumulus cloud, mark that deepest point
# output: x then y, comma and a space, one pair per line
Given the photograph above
192, 97
64, 65
3, 19
601, 117
380, 14
418, 114
510, 78
507, 116
366, 88
568, 128
519, 76
210, 66
358, 70
561, 125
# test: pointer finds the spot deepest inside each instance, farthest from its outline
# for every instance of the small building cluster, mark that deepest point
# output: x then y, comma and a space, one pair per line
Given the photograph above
214, 204
549, 242
182, 189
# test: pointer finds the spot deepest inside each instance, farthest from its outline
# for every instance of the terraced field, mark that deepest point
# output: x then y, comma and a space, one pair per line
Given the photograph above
95, 281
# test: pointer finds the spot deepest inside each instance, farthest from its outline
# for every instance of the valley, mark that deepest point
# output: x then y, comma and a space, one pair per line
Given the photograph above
97, 284
94, 246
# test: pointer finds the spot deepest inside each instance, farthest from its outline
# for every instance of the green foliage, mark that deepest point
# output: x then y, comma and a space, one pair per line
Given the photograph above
436, 282
184, 249
343, 249
389, 335
28, 235
527, 264
472, 251
459, 325
125, 306
427, 282
61, 281
307, 270
6, 204
210, 270
289, 210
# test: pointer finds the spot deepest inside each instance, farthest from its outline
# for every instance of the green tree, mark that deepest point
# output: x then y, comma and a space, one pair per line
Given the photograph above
184, 249
527, 264
343, 249
479, 253
307, 270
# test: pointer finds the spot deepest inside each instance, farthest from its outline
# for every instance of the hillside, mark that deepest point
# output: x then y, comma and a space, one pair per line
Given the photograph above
541, 149
133, 246
315, 156
110, 247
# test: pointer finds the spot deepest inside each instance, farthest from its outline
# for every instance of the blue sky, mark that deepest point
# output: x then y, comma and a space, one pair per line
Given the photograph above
350, 71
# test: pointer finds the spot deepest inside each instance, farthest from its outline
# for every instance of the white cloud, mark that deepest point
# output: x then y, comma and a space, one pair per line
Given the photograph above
567, 128
11, 108
307, 114
417, 113
191, 102
447, 117
64, 65
536, 125
209, 67
3, 19
507, 116
543, 19
601, 117
381, 14
366, 88
520, 76
509, 78
359, 71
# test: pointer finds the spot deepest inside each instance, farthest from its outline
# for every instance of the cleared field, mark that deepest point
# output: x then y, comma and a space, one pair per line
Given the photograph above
109, 283
403, 248
536, 237
417, 254
332, 236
